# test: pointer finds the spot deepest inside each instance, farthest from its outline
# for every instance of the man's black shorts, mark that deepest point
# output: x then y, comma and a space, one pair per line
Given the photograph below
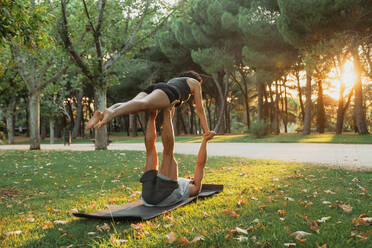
169, 90
156, 189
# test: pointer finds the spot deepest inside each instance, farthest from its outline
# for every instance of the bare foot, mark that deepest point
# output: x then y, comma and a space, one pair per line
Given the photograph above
107, 117
97, 116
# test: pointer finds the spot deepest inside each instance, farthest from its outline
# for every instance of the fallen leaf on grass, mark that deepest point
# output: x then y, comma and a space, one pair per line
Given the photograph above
281, 212
314, 226
30, 220
327, 202
242, 239
106, 227
91, 233
184, 241
197, 239
363, 219
324, 219
13, 233
238, 230
290, 244
59, 222
46, 225
171, 237
329, 192
300, 234
231, 212
137, 227
346, 207
322, 246
116, 241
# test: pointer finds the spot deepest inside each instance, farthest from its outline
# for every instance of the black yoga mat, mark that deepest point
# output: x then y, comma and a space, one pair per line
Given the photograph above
136, 210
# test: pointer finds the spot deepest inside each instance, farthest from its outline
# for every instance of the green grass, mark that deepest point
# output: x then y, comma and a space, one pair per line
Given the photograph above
46, 185
346, 138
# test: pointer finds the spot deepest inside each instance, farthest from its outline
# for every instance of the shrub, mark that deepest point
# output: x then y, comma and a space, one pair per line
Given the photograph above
259, 129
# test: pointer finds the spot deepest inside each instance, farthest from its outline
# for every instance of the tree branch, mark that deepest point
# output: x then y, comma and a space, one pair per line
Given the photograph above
68, 44
348, 100
53, 78
129, 45
88, 16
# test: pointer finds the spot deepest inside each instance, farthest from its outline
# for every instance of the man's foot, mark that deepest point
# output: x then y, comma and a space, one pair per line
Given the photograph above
108, 115
208, 136
97, 116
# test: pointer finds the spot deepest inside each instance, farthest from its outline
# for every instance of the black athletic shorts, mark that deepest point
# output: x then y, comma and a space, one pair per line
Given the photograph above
156, 189
169, 90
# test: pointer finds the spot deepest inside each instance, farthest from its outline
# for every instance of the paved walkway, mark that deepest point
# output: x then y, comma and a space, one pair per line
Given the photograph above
344, 155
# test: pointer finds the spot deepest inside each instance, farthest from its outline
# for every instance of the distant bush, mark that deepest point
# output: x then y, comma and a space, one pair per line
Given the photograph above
2, 138
259, 129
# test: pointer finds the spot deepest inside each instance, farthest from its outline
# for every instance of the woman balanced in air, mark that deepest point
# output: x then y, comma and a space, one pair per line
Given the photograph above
157, 96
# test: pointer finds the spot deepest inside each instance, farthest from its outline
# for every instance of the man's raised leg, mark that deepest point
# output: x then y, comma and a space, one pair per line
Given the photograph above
169, 166
150, 139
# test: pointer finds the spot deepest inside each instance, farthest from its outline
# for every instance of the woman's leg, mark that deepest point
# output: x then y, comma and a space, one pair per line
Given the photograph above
155, 100
98, 115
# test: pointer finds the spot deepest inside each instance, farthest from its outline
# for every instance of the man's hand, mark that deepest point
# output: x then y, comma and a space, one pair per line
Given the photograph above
209, 135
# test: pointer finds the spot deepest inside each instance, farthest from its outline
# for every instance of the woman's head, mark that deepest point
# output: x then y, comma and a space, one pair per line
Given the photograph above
192, 74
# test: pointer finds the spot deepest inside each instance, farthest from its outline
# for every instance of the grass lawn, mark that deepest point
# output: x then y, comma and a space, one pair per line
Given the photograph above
346, 138
267, 200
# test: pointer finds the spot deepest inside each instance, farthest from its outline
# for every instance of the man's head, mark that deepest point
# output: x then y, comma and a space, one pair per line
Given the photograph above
192, 74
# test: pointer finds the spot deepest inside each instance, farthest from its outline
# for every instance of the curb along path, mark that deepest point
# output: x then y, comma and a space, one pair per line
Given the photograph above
343, 155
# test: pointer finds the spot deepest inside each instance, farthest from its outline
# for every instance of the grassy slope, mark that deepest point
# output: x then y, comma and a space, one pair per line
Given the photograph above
46, 185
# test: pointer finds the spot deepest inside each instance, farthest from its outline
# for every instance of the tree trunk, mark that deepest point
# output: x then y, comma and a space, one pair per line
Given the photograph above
246, 102
300, 98
51, 130
307, 119
133, 125
191, 118
218, 128
285, 108
340, 110
320, 108
43, 128
10, 120
100, 104
175, 122
260, 89
360, 116
34, 120
79, 110
276, 110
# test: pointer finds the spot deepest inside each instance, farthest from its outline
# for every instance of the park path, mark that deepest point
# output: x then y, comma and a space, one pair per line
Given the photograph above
343, 155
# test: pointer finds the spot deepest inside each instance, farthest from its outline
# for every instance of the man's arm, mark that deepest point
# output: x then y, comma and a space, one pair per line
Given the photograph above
201, 160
